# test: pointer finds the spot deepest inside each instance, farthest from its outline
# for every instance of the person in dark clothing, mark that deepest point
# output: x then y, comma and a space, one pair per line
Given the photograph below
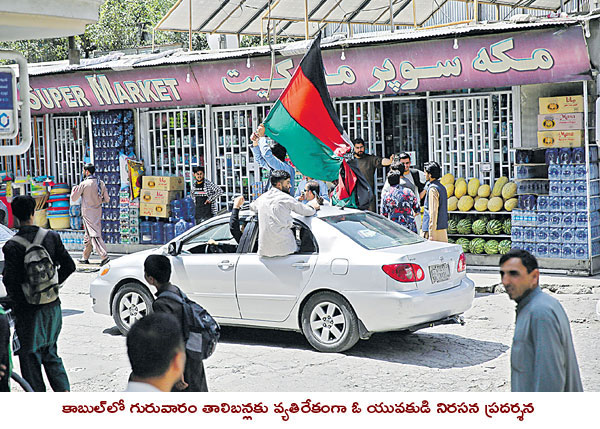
367, 164
156, 353
157, 272
37, 326
4, 352
234, 219
206, 195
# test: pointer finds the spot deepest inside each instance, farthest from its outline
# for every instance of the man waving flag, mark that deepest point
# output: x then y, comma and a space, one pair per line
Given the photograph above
305, 122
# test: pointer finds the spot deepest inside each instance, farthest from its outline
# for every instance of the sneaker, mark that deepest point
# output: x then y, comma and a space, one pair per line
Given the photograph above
83, 261
104, 261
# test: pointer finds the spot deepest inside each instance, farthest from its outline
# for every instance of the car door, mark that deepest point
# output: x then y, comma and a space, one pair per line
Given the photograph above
268, 288
205, 269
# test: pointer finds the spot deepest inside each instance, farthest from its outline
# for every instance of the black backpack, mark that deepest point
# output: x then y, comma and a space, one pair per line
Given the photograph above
41, 275
200, 331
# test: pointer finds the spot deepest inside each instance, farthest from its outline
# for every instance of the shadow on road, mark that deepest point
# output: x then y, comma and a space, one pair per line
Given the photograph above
66, 313
431, 350
114, 331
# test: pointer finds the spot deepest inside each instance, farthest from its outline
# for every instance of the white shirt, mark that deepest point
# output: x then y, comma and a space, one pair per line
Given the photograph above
136, 386
274, 207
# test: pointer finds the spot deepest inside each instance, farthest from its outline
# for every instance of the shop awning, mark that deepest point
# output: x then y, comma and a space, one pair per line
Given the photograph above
301, 18
31, 19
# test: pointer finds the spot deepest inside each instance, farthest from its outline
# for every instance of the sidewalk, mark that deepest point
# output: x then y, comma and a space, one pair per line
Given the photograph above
488, 282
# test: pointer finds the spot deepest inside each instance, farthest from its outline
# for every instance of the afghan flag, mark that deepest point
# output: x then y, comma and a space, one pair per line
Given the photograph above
305, 122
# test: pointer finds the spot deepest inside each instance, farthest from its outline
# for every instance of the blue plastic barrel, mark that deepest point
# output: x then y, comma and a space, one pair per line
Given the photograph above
189, 208
146, 232
180, 227
158, 233
177, 209
169, 232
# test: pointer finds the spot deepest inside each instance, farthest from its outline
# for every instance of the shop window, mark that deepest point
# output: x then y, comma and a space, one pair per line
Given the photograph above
472, 136
235, 170
34, 162
71, 144
176, 142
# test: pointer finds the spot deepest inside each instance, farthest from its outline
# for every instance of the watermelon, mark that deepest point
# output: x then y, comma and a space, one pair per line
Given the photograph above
504, 247
464, 242
464, 226
494, 227
477, 245
491, 247
451, 241
479, 227
452, 226
506, 226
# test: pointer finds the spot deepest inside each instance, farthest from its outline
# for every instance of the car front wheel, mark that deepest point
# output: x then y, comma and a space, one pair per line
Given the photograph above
131, 303
329, 323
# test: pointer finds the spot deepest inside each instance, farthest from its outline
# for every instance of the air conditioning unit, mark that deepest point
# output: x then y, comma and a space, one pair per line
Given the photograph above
222, 41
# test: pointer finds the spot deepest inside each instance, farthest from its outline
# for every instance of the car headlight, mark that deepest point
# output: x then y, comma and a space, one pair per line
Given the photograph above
105, 271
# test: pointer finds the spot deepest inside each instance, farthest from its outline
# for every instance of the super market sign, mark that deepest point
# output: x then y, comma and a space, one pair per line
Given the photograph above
489, 61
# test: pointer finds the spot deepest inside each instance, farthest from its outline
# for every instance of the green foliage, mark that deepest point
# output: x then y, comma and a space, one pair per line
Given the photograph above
248, 41
40, 50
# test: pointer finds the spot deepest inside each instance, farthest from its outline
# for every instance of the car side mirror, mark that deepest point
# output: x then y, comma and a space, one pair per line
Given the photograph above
174, 248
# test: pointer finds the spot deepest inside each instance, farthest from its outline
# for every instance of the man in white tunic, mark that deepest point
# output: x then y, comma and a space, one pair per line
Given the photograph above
93, 194
275, 222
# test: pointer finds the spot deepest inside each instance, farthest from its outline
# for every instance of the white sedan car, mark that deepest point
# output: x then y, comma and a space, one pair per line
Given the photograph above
355, 273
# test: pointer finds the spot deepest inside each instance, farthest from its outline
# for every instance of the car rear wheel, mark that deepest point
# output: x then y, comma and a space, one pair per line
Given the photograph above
131, 303
329, 323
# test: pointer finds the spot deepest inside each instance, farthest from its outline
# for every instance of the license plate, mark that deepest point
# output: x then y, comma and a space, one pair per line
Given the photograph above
439, 273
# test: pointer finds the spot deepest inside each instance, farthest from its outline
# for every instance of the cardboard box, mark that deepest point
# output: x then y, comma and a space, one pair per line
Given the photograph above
158, 196
164, 183
572, 138
560, 122
155, 210
567, 104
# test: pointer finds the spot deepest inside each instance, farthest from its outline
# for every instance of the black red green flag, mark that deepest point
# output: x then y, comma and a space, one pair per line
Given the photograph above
305, 122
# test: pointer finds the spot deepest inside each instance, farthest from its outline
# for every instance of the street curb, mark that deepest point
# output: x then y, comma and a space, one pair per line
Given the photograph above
552, 287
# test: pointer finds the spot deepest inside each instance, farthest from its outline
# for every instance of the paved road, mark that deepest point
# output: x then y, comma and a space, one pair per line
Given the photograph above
474, 357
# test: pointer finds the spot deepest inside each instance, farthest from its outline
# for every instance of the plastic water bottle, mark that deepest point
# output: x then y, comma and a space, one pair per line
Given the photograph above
169, 231
146, 232
158, 233
180, 227
189, 209
177, 209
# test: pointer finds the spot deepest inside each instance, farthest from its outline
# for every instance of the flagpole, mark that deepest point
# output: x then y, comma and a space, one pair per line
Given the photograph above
392, 16
306, 18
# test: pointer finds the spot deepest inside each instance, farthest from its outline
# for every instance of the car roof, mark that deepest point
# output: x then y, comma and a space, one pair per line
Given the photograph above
324, 211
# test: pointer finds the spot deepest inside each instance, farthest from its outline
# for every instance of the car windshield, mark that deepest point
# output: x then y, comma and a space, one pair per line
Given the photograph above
371, 231
5, 233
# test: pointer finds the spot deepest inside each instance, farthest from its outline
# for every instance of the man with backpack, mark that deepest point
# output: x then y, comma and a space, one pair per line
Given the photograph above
35, 265
200, 331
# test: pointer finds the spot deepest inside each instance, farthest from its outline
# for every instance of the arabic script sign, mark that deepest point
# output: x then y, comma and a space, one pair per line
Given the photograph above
500, 60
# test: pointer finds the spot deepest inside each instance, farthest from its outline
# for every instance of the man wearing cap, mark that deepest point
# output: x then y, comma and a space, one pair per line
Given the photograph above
93, 194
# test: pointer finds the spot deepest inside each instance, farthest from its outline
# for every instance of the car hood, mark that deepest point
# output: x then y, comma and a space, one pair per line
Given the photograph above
134, 259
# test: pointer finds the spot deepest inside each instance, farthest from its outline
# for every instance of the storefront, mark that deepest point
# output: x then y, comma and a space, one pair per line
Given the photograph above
462, 106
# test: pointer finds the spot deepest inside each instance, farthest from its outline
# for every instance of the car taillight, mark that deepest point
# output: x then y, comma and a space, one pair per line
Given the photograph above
404, 272
462, 263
